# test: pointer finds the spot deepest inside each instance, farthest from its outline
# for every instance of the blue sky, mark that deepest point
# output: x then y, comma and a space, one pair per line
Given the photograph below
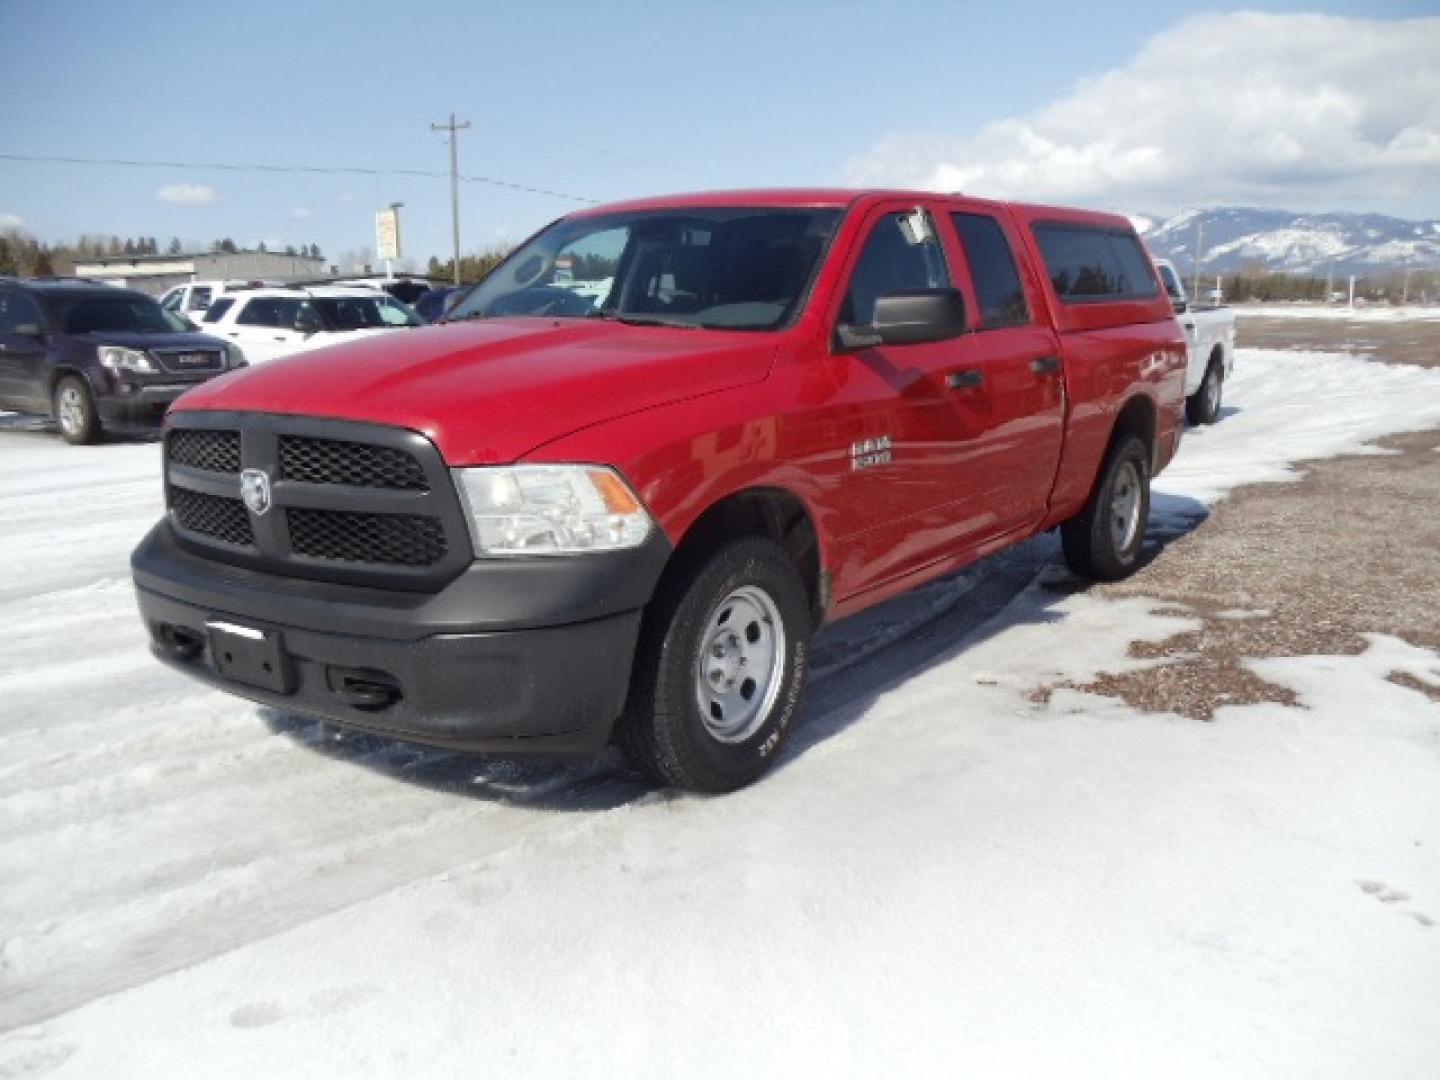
603, 100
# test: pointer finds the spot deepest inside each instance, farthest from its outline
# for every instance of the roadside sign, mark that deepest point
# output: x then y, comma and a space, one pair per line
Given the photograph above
387, 234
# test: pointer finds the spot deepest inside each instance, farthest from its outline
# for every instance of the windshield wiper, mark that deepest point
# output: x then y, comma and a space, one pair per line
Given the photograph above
639, 320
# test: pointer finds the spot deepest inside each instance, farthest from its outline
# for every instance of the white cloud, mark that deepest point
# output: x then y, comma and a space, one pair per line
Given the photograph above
187, 194
302, 213
11, 221
1302, 111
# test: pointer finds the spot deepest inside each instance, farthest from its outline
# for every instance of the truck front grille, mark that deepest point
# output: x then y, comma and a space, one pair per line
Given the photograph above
214, 451
212, 515
394, 539
348, 502
334, 461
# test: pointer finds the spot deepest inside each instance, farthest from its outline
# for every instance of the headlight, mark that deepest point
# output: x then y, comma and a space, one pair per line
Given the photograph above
234, 357
119, 359
550, 510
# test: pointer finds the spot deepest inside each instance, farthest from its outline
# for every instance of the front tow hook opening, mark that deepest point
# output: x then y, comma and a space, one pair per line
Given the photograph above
182, 642
368, 691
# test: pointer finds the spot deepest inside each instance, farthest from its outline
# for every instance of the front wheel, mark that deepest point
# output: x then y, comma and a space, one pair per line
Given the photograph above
74, 408
1203, 406
721, 668
1104, 542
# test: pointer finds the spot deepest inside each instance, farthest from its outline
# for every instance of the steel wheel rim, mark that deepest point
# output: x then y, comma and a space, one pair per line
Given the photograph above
1125, 506
72, 410
741, 663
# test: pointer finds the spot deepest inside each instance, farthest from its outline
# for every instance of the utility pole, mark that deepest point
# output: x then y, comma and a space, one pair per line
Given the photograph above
1199, 252
454, 129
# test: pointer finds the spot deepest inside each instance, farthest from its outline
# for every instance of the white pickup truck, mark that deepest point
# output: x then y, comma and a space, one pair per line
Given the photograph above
1210, 338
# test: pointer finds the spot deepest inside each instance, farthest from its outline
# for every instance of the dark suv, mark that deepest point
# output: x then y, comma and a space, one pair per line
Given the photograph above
94, 356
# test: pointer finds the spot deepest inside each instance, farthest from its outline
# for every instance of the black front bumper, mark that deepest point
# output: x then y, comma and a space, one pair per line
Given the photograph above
143, 407
514, 656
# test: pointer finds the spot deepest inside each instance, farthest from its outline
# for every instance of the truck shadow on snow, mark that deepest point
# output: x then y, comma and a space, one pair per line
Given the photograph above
853, 663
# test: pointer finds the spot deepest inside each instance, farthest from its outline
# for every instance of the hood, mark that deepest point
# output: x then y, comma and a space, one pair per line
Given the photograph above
489, 392
140, 339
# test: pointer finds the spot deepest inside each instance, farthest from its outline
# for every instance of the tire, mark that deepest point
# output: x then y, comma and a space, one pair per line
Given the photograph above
73, 407
1105, 540
1203, 406
738, 619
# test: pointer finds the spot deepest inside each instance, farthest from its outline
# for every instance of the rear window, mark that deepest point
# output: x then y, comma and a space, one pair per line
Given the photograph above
1088, 265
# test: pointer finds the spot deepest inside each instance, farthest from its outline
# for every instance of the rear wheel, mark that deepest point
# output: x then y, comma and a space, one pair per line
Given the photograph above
74, 409
1105, 541
721, 669
1203, 406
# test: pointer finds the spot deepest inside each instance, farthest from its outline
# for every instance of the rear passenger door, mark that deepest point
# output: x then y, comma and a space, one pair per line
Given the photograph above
1020, 415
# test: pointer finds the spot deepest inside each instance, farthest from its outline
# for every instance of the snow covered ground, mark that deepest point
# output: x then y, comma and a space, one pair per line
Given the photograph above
1344, 312
942, 878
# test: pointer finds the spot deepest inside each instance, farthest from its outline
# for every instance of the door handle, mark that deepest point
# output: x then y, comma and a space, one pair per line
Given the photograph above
963, 380
1046, 365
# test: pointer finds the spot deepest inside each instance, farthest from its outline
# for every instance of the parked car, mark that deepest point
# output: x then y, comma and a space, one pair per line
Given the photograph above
1209, 342
274, 322
562, 517
404, 288
431, 306
193, 299
97, 358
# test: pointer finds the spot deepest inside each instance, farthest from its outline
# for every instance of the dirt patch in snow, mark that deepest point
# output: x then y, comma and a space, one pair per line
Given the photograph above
1398, 342
1303, 568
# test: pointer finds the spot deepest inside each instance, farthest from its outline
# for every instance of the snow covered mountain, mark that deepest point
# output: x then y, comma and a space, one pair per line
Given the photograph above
1235, 236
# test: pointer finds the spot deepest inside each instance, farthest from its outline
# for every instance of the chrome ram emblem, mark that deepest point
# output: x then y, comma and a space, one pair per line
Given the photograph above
255, 491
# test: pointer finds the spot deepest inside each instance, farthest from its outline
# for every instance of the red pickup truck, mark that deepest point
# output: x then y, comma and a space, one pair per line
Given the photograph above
644, 460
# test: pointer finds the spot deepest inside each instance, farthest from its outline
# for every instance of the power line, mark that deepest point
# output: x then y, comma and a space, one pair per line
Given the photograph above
326, 170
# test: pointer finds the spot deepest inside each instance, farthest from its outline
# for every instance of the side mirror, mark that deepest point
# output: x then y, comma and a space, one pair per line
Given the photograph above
1180, 306
909, 318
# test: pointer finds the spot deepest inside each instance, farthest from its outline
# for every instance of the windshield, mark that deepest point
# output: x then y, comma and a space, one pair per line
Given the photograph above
734, 268
104, 314
365, 312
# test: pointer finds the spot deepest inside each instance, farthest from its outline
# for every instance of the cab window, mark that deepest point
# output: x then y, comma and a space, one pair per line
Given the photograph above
901, 254
216, 311
992, 269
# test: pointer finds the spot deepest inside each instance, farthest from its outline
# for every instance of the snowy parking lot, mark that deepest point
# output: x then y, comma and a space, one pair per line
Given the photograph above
950, 873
